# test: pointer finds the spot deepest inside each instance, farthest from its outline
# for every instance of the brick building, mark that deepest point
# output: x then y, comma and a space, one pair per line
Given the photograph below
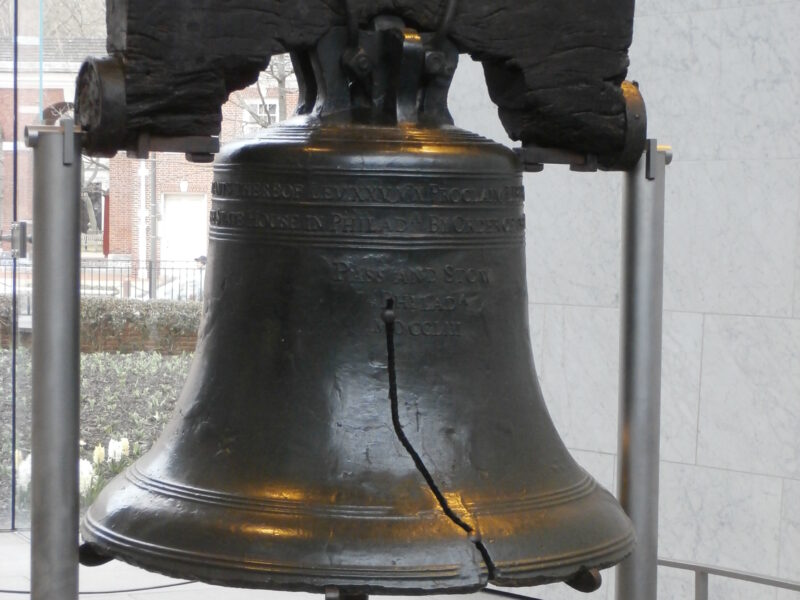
181, 189
60, 61
165, 191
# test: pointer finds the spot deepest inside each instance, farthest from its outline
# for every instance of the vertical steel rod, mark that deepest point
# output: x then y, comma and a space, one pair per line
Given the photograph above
56, 361
640, 368
700, 585
14, 198
153, 229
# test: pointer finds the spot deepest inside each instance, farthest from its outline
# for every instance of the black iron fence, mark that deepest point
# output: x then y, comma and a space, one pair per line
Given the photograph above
143, 280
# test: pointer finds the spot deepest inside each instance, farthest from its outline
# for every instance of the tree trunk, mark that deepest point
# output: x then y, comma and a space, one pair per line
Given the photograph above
280, 69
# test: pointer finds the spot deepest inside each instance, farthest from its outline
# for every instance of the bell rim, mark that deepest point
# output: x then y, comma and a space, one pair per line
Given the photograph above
507, 573
415, 578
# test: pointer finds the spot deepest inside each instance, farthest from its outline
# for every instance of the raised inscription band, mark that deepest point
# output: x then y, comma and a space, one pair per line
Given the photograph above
407, 191
385, 227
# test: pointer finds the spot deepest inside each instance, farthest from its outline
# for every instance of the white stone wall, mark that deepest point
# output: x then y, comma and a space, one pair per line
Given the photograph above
721, 79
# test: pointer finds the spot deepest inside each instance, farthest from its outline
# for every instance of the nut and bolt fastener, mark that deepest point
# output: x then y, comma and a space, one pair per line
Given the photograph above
358, 62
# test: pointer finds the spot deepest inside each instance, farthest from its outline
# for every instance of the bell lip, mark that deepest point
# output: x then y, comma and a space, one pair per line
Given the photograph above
465, 577
371, 589
498, 580
623, 548
465, 581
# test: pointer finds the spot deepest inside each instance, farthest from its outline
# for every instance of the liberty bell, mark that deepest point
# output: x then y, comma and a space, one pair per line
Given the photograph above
362, 412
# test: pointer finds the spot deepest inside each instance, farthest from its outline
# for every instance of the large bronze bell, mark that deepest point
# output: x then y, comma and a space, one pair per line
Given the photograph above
363, 411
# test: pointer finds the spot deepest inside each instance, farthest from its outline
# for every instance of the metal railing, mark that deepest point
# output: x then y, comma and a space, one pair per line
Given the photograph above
162, 280
701, 573
92, 242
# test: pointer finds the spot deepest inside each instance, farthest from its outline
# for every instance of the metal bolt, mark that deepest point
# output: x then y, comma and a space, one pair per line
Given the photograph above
435, 62
667, 150
358, 62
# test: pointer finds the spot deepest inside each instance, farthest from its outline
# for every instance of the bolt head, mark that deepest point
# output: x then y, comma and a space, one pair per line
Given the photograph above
358, 62
435, 62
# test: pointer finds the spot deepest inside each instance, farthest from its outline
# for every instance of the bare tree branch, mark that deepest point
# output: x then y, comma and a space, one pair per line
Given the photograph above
6, 26
280, 69
264, 120
264, 102
70, 19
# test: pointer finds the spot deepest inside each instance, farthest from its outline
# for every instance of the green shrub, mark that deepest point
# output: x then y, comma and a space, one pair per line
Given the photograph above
129, 396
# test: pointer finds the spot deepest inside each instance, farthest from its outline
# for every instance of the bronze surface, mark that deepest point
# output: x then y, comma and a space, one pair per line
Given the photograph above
282, 466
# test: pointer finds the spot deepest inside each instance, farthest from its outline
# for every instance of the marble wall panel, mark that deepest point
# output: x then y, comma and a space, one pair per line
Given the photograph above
789, 567
675, 584
760, 81
573, 239
657, 7
719, 517
579, 372
602, 467
724, 588
470, 104
580, 375
730, 237
749, 413
796, 303
680, 81
680, 385
573, 218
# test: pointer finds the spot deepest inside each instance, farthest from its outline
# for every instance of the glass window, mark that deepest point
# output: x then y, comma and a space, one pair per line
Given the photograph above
143, 252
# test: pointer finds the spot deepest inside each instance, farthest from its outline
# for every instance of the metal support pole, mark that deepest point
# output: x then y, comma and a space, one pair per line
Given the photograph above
56, 361
141, 270
640, 367
700, 585
153, 229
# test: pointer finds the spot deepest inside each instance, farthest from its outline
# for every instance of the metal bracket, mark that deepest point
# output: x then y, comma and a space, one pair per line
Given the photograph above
69, 142
534, 158
652, 149
19, 239
197, 148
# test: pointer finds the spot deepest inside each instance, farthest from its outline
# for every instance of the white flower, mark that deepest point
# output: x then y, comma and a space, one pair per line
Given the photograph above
99, 454
125, 446
24, 473
114, 450
86, 477
18, 458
